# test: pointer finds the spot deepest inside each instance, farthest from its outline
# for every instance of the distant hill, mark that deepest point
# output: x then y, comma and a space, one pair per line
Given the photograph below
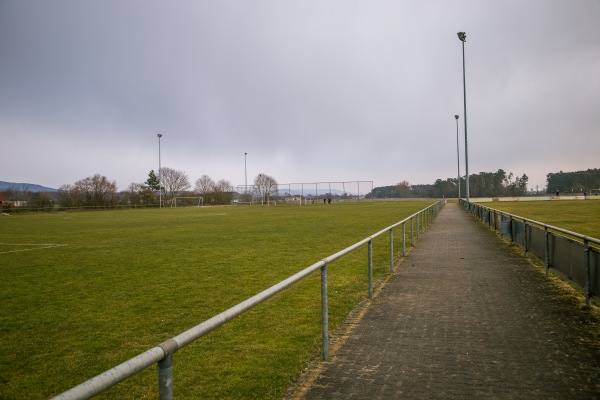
24, 186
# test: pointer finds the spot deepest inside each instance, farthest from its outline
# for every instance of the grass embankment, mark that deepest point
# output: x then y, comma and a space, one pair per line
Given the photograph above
574, 215
123, 281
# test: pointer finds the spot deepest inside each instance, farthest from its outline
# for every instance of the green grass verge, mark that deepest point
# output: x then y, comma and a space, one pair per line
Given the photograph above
123, 281
575, 215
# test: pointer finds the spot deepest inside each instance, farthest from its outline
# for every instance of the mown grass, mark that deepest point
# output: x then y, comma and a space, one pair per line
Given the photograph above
123, 281
577, 216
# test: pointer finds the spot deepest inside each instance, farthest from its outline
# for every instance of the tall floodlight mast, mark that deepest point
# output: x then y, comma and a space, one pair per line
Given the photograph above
457, 156
159, 175
462, 36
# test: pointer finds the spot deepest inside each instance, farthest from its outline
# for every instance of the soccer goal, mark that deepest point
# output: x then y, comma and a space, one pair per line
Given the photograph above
324, 192
187, 202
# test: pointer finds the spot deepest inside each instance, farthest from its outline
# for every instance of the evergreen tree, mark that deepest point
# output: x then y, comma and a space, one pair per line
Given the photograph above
152, 182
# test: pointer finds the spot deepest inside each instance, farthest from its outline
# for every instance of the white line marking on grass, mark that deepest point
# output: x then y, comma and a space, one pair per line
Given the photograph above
33, 246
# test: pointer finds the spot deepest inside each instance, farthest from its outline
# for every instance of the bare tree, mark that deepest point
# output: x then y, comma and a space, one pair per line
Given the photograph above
40, 200
19, 194
403, 189
97, 190
204, 185
173, 181
68, 196
224, 191
265, 186
224, 186
139, 194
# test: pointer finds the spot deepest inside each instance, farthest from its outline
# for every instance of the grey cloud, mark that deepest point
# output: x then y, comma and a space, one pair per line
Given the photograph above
333, 90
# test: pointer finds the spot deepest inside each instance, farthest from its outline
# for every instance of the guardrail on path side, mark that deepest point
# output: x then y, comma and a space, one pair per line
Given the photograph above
569, 253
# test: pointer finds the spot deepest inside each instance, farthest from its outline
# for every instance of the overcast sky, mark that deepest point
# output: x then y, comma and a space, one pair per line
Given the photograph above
312, 90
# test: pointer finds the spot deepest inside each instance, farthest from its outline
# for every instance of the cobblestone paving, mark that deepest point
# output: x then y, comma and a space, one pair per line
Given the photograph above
464, 317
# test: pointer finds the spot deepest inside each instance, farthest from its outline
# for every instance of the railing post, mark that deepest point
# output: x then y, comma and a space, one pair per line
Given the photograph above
525, 239
165, 377
411, 232
547, 250
324, 313
391, 249
403, 239
416, 228
371, 269
588, 284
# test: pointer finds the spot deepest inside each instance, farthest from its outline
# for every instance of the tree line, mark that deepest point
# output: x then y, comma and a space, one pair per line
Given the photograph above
162, 186
574, 182
495, 184
99, 191
483, 184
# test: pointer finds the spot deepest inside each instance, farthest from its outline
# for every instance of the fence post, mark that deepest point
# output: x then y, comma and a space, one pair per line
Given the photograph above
588, 284
403, 239
391, 249
417, 225
411, 232
165, 377
371, 269
324, 313
547, 250
525, 238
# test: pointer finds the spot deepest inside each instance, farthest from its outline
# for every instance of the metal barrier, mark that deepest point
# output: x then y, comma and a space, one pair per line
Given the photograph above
567, 252
163, 353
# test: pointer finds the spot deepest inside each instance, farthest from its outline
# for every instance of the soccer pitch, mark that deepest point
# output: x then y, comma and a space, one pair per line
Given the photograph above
578, 216
84, 291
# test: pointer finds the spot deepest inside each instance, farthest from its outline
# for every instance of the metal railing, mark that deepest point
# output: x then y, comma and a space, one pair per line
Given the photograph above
162, 354
569, 253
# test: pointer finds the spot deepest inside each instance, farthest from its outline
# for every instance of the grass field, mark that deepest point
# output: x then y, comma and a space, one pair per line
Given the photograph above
82, 292
575, 215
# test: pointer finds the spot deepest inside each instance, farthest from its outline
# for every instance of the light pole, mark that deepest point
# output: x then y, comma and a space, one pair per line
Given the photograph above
457, 156
245, 174
159, 180
463, 37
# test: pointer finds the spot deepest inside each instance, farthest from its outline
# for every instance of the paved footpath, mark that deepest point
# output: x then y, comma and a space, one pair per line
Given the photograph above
464, 317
